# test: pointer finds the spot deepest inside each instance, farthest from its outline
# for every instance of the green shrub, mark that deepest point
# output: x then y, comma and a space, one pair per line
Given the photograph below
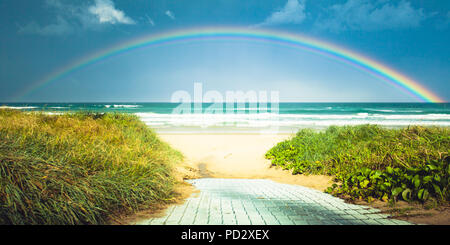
370, 162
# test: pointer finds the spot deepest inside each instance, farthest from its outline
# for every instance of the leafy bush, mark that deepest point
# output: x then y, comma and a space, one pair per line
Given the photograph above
417, 183
372, 162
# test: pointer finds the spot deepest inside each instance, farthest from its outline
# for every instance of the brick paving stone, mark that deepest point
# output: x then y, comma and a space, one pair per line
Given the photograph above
259, 202
371, 222
300, 222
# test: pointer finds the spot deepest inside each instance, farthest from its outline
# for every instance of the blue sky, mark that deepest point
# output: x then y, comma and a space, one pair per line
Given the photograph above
41, 36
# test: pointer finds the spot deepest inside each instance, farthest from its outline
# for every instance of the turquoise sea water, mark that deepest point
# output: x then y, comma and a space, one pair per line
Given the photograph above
284, 117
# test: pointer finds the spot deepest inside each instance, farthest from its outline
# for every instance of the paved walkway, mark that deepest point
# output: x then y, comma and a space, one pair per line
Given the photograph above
264, 202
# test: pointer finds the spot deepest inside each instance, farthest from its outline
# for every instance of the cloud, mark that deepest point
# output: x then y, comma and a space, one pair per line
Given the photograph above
71, 18
170, 14
106, 12
150, 20
292, 13
369, 15
61, 27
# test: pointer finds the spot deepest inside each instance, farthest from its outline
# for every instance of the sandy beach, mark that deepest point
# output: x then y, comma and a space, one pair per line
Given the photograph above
238, 156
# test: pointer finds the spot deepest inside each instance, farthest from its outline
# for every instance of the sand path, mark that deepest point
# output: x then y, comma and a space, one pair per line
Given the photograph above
238, 156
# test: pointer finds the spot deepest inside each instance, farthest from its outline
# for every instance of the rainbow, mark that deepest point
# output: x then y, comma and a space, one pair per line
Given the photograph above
328, 50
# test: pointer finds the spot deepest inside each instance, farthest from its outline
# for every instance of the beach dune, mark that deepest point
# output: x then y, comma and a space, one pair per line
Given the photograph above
238, 156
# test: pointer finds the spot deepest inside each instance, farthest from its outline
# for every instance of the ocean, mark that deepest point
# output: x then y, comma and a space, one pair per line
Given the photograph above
282, 117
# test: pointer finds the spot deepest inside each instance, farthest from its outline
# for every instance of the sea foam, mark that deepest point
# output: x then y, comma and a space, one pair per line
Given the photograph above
290, 120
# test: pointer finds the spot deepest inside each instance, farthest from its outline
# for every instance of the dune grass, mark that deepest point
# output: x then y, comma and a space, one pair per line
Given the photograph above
80, 168
371, 162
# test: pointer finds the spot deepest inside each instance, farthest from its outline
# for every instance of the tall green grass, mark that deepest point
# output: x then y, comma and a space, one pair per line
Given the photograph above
372, 162
80, 168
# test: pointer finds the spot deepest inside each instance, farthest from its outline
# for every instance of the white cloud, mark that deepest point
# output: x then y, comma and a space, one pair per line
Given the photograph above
150, 20
71, 18
106, 12
170, 14
293, 12
61, 27
370, 15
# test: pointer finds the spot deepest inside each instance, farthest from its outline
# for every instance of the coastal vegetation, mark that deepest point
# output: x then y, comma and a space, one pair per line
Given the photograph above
371, 162
80, 168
